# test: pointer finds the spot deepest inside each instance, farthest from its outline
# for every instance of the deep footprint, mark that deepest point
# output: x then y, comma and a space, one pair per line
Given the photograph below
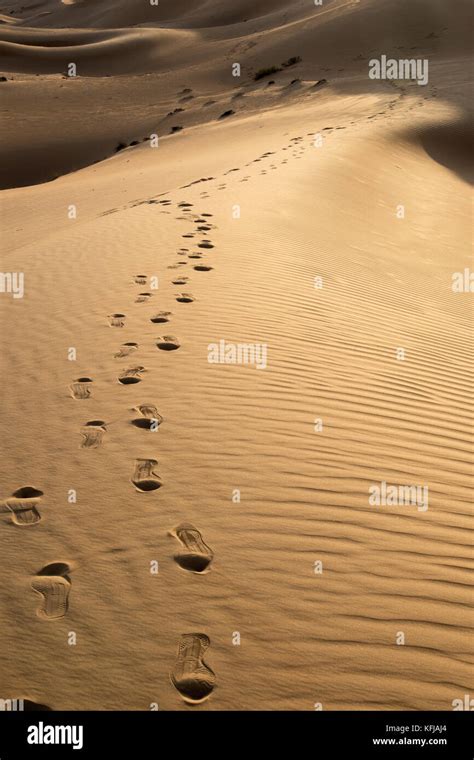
195, 555
54, 584
143, 297
30, 706
144, 478
23, 506
131, 376
162, 316
167, 343
92, 434
117, 320
150, 418
185, 298
125, 350
191, 676
81, 388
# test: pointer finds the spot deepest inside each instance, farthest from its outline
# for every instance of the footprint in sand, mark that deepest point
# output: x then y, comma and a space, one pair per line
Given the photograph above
81, 388
131, 376
183, 204
117, 320
202, 268
54, 585
207, 215
180, 280
92, 434
185, 298
144, 478
189, 235
125, 350
143, 297
203, 228
205, 244
140, 279
194, 555
191, 676
167, 343
161, 316
195, 256
150, 418
23, 506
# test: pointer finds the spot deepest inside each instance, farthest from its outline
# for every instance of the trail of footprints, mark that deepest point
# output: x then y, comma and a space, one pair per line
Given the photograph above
190, 675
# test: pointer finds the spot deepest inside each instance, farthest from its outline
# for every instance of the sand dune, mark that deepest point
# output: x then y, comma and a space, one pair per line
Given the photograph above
123, 13
204, 527
93, 52
100, 114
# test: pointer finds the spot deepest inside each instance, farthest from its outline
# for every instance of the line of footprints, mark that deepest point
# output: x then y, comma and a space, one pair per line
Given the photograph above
191, 676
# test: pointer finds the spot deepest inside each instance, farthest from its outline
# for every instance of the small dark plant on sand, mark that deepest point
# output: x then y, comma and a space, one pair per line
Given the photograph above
266, 72
292, 61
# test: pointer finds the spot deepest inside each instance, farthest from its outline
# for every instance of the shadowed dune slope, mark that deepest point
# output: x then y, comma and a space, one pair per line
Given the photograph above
105, 113
396, 26
181, 13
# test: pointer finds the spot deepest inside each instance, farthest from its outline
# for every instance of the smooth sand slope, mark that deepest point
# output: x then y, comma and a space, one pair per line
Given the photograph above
207, 494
